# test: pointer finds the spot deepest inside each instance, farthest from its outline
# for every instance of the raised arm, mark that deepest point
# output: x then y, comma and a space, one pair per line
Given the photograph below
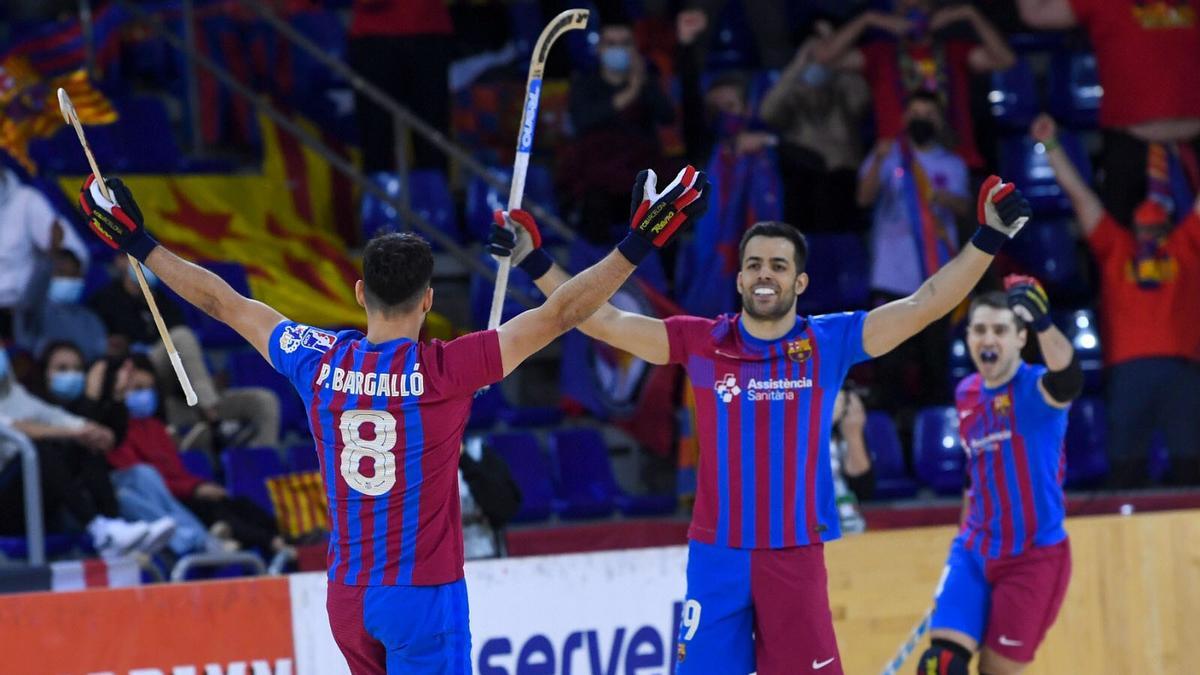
1047, 14
842, 42
1002, 213
571, 302
120, 225
1088, 207
993, 52
1063, 381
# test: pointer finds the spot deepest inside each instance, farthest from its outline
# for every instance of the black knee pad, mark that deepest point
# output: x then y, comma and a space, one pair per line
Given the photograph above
944, 658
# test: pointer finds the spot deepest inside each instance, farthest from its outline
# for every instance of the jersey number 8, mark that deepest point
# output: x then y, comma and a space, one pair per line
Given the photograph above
356, 448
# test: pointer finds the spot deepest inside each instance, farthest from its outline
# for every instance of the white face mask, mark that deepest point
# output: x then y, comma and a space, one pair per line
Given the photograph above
8, 184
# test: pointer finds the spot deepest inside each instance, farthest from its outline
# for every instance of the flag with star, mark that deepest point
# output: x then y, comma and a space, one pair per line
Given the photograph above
279, 224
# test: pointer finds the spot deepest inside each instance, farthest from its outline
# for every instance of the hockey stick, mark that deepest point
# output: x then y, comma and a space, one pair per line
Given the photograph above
68, 112
572, 19
910, 644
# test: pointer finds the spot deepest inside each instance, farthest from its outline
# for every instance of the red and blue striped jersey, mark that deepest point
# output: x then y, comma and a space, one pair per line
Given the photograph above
388, 422
1015, 460
763, 415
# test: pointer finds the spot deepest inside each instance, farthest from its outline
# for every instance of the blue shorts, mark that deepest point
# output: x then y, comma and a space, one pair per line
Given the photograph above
383, 630
1005, 604
756, 609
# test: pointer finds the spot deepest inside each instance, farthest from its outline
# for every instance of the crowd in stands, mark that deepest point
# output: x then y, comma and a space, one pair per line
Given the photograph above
867, 125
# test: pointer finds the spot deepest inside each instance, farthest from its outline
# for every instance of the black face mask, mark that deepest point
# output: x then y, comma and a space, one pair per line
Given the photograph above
921, 131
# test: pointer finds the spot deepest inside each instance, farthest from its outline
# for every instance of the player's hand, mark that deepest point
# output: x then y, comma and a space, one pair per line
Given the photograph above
1028, 300
118, 223
657, 216
515, 233
1002, 207
1044, 129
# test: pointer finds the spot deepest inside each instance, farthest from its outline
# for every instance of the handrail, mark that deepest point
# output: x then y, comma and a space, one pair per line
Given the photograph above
35, 532
194, 560
398, 111
261, 103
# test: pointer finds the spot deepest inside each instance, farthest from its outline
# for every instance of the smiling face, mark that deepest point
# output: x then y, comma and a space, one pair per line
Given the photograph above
995, 341
769, 280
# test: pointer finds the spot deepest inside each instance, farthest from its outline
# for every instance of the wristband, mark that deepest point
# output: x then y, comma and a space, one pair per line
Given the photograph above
988, 239
1042, 323
536, 263
635, 247
141, 247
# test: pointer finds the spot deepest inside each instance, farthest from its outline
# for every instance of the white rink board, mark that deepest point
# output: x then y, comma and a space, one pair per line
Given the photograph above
611, 613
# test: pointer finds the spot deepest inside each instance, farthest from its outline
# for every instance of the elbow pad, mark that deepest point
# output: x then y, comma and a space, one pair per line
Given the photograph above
1065, 385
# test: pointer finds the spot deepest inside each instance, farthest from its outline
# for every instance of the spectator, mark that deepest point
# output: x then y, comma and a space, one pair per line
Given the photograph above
917, 188
920, 51
74, 477
123, 310
818, 110
140, 490
767, 20
720, 118
30, 227
616, 111
1149, 282
403, 47
490, 498
148, 441
1146, 53
56, 313
853, 475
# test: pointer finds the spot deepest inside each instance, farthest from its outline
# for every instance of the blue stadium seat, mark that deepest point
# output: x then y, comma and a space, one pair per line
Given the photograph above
1074, 89
250, 369
1023, 160
142, 140
938, 456
732, 44
301, 458
247, 471
1083, 330
198, 462
481, 294
1013, 97
892, 480
1047, 250
839, 273
960, 360
588, 485
531, 470
492, 407
585, 476
1086, 443
1159, 461
56, 545
482, 199
429, 195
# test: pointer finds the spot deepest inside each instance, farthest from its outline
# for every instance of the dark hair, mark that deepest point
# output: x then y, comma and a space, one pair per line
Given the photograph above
731, 78
775, 228
41, 386
995, 300
397, 268
927, 95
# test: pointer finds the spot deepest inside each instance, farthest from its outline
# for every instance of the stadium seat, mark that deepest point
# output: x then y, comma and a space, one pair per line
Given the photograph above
1024, 161
960, 360
198, 462
1086, 443
531, 470
482, 199
1013, 96
892, 480
56, 545
1159, 462
429, 196
480, 292
839, 273
588, 485
1047, 250
938, 456
1074, 89
142, 140
492, 407
249, 369
247, 471
1082, 329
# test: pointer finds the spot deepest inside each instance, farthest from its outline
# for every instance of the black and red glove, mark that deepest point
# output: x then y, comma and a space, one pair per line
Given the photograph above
1028, 300
118, 222
515, 233
1002, 211
655, 217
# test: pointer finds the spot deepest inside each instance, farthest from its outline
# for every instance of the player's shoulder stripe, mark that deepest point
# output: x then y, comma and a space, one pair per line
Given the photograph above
970, 385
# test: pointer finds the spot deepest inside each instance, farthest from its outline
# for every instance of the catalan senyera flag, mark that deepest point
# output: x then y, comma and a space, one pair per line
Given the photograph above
300, 503
29, 102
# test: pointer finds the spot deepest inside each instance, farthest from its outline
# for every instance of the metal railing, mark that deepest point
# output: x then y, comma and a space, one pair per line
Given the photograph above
193, 561
31, 478
263, 105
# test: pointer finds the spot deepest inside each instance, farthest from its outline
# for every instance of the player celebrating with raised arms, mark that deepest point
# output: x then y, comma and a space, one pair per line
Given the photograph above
765, 382
1008, 569
388, 413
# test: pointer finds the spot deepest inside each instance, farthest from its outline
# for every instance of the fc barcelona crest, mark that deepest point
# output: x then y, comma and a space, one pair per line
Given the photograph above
800, 350
1001, 404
